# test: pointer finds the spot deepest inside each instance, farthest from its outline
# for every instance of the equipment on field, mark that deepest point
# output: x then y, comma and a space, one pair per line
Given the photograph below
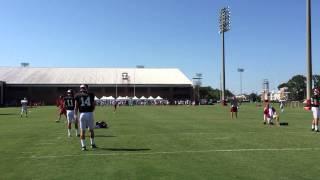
101, 124
283, 124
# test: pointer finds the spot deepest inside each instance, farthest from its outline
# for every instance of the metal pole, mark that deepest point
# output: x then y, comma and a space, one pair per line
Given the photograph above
220, 90
194, 92
116, 91
240, 82
197, 83
309, 52
134, 84
116, 85
199, 94
224, 24
223, 71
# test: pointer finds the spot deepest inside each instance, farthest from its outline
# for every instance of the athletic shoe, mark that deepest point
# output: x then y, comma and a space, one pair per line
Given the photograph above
317, 130
312, 129
93, 146
83, 148
264, 123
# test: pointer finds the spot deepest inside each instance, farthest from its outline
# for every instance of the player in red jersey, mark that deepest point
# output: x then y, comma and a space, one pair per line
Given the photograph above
266, 114
234, 107
62, 109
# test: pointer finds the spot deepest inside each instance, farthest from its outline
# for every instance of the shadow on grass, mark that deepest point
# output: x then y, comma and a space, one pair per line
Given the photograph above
7, 114
104, 136
126, 149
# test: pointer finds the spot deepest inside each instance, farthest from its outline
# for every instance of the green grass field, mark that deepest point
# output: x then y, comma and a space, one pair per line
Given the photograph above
172, 142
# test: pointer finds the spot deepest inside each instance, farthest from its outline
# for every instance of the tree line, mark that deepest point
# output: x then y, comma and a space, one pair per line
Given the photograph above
214, 94
296, 88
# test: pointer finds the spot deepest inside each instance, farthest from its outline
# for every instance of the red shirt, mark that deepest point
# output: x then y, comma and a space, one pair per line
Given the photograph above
60, 103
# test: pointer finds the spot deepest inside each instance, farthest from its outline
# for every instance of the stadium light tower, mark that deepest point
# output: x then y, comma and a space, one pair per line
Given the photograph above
240, 70
197, 83
24, 64
309, 52
224, 26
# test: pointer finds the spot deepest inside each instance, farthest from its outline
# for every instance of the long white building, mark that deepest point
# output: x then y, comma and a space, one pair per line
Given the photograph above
46, 84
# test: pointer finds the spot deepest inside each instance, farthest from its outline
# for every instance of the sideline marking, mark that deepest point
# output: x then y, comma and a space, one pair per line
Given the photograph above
169, 152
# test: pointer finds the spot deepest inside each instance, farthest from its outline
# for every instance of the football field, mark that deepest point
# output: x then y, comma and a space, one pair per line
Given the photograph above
161, 142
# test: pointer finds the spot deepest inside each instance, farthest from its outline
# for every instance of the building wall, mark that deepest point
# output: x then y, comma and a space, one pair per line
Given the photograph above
2, 95
48, 95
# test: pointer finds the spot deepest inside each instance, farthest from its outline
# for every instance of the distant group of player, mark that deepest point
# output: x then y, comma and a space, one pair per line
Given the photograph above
78, 109
82, 102
313, 104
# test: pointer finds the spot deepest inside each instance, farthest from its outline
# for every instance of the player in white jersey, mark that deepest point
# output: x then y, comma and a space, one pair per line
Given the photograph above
24, 108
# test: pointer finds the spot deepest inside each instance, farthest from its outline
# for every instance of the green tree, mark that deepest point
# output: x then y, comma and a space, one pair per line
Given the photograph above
214, 94
207, 93
282, 85
254, 97
228, 93
297, 87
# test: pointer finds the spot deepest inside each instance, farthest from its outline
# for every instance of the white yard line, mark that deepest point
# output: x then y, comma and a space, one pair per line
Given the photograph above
167, 152
221, 138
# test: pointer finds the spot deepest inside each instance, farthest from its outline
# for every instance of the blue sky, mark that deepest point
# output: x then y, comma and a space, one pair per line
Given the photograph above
267, 37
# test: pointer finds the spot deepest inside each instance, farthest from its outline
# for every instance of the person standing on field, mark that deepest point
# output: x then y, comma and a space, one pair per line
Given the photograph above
85, 104
234, 107
115, 105
69, 104
24, 107
315, 102
281, 106
61, 108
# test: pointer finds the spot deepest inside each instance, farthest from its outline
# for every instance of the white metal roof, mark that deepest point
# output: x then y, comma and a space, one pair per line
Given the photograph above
37, 75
